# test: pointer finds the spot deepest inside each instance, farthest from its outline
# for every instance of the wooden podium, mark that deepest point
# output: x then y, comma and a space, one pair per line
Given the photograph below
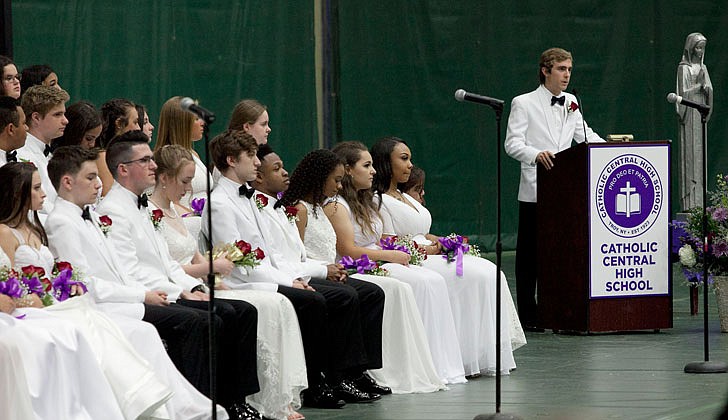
565, 263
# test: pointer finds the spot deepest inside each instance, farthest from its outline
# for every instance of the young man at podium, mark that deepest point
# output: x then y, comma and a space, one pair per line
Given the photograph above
542, 123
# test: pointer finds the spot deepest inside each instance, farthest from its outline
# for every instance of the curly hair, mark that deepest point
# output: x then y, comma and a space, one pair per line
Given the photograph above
115, 109
41, 99
15, 197
309, 178
361, 202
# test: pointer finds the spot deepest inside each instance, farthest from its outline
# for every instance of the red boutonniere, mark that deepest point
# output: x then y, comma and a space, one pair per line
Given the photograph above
261, 201
156, 217
291, 214
105, 224
573, 107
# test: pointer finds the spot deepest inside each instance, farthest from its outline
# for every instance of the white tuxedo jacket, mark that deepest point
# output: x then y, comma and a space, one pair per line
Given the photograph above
235, 218
285, 239
142, 250
33, 152
83, 244
533, 126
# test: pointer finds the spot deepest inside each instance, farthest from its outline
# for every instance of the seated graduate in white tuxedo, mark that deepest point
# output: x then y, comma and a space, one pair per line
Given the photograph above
272, 178
281, 360
135, 386
333, 343
406, 360
44, 108
542, 123
76, 234
144, 254
12, 129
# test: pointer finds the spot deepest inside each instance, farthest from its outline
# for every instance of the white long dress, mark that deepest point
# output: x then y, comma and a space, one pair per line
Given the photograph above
281, 363
407, 365
47, 370
135, 385
472, 296
430, 293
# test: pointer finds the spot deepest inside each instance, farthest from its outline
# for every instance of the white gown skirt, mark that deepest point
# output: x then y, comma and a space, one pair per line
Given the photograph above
281, 360
48, 371
431, 295
472, 298
138, 390
407, 365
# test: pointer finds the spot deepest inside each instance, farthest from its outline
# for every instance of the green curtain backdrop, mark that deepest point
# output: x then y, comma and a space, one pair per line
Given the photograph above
400, 63
216, 51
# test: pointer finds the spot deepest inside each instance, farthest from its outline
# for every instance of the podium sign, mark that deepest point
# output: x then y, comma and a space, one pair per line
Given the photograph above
603, 238
629, 221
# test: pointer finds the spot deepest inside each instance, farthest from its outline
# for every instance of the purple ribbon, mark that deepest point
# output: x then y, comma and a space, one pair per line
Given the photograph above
197, 205
456, 247
459, 262
361, 265
33, 285
388, 243
11, 287
63, 284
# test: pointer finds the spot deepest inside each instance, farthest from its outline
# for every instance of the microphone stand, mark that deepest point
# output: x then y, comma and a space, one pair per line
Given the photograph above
706, 366
209, 119
498, 108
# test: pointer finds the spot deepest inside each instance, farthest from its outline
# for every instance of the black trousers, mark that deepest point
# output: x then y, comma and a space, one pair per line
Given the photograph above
237, 333
527, 263
311, 312
371, 312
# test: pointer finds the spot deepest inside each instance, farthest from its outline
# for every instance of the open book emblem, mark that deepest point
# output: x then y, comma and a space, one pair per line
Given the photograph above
628, 203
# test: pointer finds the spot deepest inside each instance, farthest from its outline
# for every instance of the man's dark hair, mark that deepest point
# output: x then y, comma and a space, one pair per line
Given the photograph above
8, 112
67, 160
120, 149
231, 143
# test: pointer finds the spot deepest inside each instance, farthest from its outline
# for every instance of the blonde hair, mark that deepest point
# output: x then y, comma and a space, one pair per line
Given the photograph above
41, 99
170, 159
175, 125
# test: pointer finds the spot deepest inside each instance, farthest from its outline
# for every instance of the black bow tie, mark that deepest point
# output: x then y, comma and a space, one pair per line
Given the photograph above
558, 100
11, 156
142, 200
245, 191
47, 150
86, 214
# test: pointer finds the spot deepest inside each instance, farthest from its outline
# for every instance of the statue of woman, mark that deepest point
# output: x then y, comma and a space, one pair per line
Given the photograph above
693, 83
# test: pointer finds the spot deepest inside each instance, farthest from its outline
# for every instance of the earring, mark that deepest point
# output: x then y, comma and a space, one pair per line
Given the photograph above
164, 187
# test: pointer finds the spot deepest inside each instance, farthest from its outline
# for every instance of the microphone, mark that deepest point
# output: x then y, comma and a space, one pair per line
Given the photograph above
189, 104
462, 95
581, 111
677, 99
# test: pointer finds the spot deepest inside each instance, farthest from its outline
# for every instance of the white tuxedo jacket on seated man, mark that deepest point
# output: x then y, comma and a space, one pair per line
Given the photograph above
287, 242
33, 151
534, 125
236, 217
83, 244
142, 250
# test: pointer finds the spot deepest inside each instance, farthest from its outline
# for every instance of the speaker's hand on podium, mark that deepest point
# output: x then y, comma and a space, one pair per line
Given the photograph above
546, 159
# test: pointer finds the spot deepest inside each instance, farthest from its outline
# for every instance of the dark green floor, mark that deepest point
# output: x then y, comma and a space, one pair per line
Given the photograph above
609, 376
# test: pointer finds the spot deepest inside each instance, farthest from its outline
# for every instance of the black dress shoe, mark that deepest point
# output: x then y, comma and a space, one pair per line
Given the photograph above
367, 384
243, 412
347, 391
321, 397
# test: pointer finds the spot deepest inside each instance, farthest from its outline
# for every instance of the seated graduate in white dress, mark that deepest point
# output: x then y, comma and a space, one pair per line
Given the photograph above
137, 389
358, 226
281, 361
144, 254
76, 234
327, 315
471, 287
270, 181
407, 365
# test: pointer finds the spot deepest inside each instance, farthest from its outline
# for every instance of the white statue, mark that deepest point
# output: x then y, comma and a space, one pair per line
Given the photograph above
693, 83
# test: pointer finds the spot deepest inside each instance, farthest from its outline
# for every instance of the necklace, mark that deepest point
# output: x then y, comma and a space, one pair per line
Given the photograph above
170, 212
397, 196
